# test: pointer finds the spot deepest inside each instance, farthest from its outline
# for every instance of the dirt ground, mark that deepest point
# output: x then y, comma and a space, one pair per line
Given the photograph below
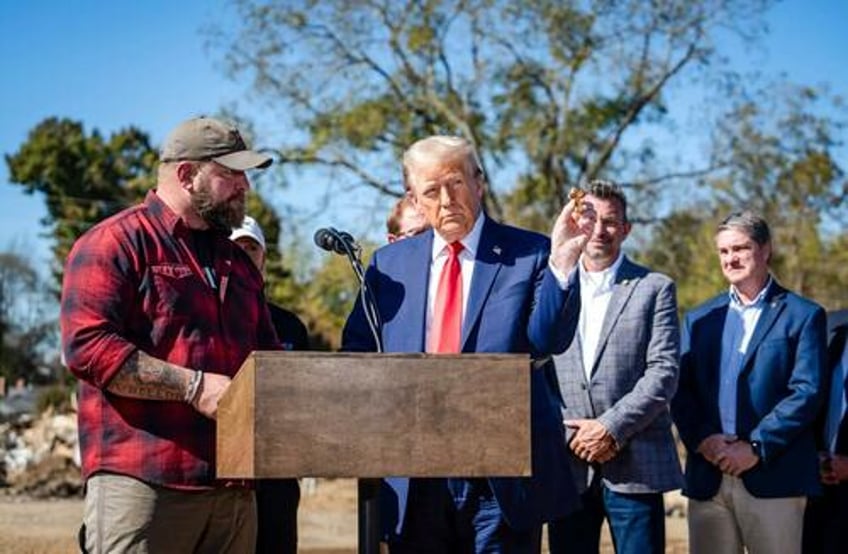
327, 523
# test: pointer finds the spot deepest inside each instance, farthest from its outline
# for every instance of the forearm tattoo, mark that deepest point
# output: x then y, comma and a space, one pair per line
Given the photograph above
143, 376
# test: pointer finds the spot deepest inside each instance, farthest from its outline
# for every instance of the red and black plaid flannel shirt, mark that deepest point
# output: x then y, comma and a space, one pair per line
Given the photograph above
133, 282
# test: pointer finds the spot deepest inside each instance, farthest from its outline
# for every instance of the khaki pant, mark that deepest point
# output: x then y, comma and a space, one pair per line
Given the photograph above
734, 519
123, 514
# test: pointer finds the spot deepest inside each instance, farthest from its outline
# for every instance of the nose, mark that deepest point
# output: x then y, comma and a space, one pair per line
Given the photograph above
242, 182
730, 260
598, 229
445, 196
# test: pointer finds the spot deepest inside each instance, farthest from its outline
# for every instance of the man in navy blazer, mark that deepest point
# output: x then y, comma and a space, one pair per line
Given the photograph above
751, 383
515, 287
826, 519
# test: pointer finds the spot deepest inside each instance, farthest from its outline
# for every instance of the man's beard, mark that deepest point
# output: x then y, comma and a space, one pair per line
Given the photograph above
223, 215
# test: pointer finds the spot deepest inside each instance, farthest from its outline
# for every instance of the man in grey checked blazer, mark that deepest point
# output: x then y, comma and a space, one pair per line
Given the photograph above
616, 380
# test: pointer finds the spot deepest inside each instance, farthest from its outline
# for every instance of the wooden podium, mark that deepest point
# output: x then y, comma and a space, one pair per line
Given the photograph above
315, 414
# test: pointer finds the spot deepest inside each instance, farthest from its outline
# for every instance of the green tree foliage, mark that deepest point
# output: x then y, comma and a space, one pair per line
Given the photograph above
319, 287
26, 328
327, 300
554, 93
84, 177
321, 296
832, 281
549, 87
783, 165
682, 246
276, 271
551, 92
780, 151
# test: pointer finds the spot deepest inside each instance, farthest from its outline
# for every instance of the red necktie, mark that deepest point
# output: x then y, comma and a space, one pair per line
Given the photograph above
447, 311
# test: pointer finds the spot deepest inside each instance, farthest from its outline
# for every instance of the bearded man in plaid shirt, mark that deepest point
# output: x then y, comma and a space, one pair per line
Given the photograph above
159, 310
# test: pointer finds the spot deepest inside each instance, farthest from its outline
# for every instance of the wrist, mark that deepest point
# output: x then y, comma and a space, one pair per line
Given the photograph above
757, 448
562, 273
193, 388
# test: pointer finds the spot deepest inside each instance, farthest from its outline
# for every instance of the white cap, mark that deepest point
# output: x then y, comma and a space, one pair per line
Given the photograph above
249, 228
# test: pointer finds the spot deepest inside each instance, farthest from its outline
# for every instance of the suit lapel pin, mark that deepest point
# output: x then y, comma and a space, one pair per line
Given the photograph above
496, 250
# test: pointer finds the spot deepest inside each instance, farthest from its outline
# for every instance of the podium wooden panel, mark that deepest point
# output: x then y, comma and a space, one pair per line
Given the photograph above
297, 414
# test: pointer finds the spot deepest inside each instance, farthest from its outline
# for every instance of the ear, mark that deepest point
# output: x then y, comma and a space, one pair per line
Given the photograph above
481, 187
185, 172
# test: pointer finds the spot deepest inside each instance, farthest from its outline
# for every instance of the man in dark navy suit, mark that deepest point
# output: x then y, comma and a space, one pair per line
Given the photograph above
471, 284
752, 376
826, 519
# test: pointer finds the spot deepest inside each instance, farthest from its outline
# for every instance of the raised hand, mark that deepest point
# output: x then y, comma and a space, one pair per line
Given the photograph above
570, 234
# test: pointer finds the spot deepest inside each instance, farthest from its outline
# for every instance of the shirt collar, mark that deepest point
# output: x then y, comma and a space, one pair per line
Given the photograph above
600, 280
161, 210
736, 300
470, 242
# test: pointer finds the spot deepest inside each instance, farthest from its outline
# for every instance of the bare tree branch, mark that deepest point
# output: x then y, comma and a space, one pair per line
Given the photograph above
352, 167
636, 106
675, 175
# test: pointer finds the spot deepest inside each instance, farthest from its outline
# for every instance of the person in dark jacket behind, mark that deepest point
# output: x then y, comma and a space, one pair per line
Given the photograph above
825, 529
276, 499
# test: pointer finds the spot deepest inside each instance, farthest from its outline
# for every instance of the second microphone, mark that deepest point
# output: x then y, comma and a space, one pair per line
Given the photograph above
332, 240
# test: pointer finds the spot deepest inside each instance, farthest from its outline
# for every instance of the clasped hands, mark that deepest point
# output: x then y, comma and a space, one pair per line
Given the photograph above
833, 468
729, 453
591, 441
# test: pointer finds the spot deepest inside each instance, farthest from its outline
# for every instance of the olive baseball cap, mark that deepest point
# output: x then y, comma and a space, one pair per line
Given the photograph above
209, 139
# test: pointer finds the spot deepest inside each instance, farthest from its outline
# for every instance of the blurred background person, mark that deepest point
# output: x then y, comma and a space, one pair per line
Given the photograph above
276, 499
405, 220
826, 518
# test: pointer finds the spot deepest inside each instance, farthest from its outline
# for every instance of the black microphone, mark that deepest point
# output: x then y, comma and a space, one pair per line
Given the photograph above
331, 240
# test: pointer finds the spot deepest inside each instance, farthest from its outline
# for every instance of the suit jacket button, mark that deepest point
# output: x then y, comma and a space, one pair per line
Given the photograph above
583, 386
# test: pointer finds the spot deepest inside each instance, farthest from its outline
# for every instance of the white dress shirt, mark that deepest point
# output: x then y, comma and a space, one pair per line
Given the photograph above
439, 257
595, 294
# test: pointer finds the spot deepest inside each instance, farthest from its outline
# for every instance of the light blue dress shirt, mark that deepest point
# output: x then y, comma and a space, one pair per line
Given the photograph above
739, 327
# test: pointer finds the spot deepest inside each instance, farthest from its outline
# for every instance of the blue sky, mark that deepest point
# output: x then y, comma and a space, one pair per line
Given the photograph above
119, 63
107, 64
